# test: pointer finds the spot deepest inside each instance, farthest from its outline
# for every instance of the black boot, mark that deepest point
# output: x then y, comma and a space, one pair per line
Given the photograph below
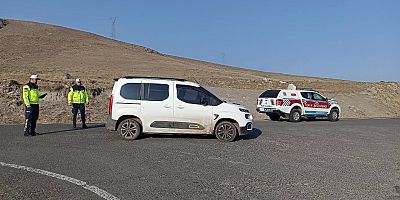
73, 122
26, 133
84, 124
83, 116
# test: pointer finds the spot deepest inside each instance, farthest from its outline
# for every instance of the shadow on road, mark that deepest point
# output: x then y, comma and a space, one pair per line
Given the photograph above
302, 119
194, 136
252, 135
315, 120
72, 129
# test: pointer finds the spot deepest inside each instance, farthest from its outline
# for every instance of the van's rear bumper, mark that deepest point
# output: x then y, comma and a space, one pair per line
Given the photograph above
111, 124
246, 129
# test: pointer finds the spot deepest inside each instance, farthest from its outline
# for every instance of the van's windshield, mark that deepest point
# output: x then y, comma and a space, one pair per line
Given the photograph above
214, 100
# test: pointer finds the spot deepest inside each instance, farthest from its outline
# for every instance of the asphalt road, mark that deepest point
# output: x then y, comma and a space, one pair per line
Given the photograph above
349, 159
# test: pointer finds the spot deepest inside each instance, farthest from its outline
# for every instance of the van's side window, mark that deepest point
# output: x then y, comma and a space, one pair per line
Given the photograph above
188, 94
131, 91
156, 92
196, 95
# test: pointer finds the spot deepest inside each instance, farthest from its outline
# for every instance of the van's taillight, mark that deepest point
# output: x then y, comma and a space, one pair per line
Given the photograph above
261, 101
279, 102
110, 105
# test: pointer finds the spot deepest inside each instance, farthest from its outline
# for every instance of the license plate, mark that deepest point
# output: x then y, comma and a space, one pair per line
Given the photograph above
268, 110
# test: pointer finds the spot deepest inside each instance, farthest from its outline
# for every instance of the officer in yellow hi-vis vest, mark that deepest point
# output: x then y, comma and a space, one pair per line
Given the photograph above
31, 96
78, 97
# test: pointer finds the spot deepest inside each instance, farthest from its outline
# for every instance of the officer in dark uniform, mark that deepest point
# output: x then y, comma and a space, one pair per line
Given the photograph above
31, 96
78, 97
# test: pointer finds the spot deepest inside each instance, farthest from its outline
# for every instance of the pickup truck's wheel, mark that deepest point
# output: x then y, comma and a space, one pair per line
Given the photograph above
275, 117
334, 115
129, 129
226, 131
295, 115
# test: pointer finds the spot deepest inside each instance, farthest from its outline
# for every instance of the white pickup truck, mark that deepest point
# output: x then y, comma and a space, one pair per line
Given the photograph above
295, 104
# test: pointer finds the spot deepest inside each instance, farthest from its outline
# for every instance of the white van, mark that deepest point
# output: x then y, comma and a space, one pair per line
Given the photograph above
166, 105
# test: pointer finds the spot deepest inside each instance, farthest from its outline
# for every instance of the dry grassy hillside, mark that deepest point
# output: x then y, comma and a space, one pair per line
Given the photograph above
60, 54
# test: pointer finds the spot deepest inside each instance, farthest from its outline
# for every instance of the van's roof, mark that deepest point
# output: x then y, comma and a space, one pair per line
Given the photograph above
150, 77
186, 82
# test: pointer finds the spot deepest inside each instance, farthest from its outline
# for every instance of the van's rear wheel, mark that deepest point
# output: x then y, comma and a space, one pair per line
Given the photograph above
295, 115
275, 117
129, 129
334, 115
226, 131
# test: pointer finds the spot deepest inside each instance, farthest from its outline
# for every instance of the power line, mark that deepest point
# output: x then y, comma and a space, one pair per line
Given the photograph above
223, 57
113, 28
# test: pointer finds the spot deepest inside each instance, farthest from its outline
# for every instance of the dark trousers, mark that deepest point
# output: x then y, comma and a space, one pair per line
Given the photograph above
81, 108
31, 117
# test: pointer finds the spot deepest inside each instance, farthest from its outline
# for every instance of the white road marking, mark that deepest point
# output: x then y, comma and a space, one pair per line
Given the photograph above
102, 193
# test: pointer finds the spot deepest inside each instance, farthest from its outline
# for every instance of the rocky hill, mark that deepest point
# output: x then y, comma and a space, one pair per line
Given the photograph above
61, 54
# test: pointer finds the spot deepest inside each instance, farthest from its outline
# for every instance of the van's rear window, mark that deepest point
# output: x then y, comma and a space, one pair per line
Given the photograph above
270, 94
131, 91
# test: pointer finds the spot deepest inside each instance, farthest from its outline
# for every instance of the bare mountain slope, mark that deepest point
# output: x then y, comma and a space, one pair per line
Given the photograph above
60, 54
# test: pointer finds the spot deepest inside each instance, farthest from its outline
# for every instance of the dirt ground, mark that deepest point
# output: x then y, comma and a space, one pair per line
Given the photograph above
60, 54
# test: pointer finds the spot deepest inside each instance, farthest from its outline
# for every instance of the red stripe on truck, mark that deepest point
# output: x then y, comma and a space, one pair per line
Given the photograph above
293, 101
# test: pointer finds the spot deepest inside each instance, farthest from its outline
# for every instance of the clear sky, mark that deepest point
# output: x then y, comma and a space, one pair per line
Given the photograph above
345, 39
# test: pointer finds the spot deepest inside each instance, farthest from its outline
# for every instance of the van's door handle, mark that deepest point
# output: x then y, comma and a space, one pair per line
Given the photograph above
167, 106
180, 107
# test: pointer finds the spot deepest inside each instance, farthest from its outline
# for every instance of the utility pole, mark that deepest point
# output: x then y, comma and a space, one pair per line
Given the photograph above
223, 57
113, 29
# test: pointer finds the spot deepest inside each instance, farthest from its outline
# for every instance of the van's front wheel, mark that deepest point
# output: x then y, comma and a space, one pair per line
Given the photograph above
129, 129
226, 131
